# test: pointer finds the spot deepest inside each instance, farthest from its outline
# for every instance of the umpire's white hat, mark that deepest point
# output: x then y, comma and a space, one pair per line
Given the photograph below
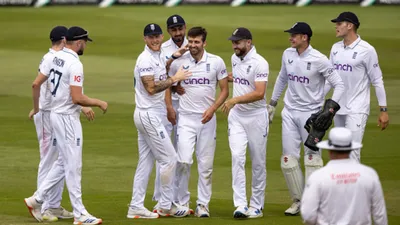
340, 139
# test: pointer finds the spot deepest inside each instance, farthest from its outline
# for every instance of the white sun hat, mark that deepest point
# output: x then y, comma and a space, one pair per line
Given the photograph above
340, 139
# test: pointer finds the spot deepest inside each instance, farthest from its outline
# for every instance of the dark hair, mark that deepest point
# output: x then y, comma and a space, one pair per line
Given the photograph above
56, 42
198, 31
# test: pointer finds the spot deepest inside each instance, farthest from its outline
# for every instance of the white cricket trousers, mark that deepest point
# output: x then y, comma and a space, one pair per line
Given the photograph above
154, 144
67, 130
48, 156
294, 133
191, 133
248, 129
356, 123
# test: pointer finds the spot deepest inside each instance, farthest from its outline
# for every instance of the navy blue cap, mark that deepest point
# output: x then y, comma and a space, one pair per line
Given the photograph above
175, 20
348, 17
152, 29
300, 28
240, 34
77, 33
58, 33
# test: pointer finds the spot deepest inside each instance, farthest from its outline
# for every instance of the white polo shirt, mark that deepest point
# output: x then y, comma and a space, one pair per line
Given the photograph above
168, 48
200, 88
45, 93
149, 63
358, 66
65, 70
343, 192
253, 68
305, 75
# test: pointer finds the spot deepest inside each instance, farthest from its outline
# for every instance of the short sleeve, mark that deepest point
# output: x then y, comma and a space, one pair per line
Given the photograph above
76, 74
262, 72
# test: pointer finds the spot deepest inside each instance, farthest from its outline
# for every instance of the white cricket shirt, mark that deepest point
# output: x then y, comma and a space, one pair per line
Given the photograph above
305, 75
168, 48
65, 70
149, 63
200, 88
358, 66
344, 192
45, 93
253, 68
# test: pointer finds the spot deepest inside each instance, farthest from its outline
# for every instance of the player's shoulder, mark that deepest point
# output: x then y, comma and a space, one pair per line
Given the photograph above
364, 45
371, 172
338, 44
290, 50
214, 57
259, 59
166, 44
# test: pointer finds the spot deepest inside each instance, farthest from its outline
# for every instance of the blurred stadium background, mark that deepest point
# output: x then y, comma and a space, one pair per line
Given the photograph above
110, 149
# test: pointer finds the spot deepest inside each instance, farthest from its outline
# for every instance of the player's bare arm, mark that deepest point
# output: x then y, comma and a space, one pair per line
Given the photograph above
153, 87
79, 98
37, 83
230, 77
223, 95
253, 96
171, 114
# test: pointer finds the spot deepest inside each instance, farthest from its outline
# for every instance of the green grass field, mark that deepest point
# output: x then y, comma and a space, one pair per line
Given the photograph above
110, 149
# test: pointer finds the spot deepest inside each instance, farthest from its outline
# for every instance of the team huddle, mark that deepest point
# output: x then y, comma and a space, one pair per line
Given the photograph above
176, 100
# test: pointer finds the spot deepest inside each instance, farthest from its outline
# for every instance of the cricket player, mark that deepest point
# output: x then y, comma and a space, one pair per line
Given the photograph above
51, 208
66, 77
176, 28
197, 124
344, 191
247, 123
357, 63
304, 70
151, 81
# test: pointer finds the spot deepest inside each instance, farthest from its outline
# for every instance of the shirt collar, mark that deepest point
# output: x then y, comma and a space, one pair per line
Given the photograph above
354, 44
203, 58
70, 51
307, 51
52, 50
341, 161
249, 54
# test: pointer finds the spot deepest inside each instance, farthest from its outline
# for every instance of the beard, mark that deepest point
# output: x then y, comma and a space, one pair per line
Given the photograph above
80, 51
240, 51
177, 39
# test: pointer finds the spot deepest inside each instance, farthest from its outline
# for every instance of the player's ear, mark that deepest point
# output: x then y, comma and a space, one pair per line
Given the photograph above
204, 43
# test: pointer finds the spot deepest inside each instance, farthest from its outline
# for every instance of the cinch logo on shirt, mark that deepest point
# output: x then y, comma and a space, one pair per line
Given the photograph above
262, 75
243, 81
343, 67
302, 80
148, 69
200, 80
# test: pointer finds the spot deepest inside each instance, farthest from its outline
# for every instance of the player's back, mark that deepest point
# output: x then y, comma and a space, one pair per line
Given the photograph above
65, 70
45, 93
346, 191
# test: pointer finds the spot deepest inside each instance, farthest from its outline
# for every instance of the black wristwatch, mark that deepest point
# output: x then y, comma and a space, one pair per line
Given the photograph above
174, 57
384, 109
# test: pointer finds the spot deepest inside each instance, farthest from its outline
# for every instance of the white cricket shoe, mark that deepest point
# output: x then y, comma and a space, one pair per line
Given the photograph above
48, 216
87, 220
34, 208
191, 211
202, 211
254, 213
143, 213
294, 209
156, 207
240, 212
175, 211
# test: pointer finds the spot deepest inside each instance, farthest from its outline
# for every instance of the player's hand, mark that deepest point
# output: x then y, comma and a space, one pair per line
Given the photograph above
171, 115
228, 105
32, 113
207, 115
179, 89
181, 51
182, 74
88, 112
103, 106
271, 112
383, 120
